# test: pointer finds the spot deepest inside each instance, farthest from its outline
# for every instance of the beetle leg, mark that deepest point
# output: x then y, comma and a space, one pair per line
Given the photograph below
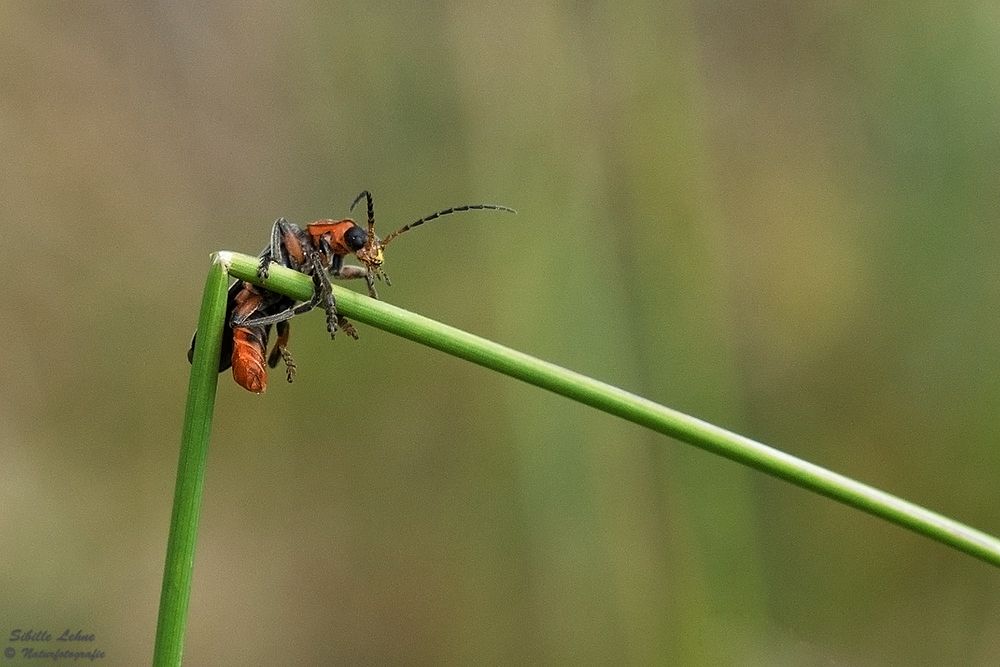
324, 293
290, 366
350, 272
281, 351
283, 316
280, 250
283, 329
347, 327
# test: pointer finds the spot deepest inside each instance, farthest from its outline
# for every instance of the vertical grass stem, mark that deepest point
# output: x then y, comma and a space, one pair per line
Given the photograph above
177, 573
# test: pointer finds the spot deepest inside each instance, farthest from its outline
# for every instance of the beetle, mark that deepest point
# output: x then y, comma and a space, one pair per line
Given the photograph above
318, 251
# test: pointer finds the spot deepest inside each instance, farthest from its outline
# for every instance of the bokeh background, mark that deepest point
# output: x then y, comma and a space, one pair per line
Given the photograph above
781, 217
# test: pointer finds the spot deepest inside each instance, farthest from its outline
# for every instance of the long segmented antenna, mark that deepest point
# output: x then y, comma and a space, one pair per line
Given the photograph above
371, 210
447, 211
371, 254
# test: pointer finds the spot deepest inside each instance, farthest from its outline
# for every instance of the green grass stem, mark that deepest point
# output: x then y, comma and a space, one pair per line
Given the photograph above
177, 575
636, 409
176, 592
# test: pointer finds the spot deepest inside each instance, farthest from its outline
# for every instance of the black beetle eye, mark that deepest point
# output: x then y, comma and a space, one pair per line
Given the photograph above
356, 238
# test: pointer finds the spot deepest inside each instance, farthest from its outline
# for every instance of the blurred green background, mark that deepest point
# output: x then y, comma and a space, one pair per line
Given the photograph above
781, 217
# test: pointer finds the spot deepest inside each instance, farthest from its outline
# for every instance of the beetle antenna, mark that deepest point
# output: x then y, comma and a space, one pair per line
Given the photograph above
440, 214
371, 211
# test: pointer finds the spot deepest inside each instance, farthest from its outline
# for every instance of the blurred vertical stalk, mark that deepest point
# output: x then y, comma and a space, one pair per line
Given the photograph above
177, 573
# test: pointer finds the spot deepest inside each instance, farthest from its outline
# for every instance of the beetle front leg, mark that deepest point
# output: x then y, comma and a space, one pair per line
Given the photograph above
323, 293
351, 272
